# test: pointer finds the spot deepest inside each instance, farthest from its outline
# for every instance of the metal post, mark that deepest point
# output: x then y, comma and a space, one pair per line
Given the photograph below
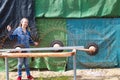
6, 68
74, 66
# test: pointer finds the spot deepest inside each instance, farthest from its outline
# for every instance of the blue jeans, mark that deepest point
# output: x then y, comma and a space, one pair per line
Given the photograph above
24, 61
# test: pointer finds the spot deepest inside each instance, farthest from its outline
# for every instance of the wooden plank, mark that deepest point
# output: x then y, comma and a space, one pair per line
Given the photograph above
48, 54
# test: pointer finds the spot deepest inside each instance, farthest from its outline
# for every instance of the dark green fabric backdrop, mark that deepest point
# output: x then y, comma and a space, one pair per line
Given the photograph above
77, 8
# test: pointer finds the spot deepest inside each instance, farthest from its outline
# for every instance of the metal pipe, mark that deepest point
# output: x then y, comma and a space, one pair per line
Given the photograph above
47, 49
74, 64
6, 68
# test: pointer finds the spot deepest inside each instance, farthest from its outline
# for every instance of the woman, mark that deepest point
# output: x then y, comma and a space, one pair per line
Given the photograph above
23, 37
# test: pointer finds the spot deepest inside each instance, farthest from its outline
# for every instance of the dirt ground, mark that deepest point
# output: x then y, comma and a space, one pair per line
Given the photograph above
84, 74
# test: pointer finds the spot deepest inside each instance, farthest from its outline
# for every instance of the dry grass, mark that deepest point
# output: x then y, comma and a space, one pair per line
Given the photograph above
87, 74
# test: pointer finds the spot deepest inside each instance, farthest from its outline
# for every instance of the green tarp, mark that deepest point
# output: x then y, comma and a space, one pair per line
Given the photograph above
77, 8
48, 31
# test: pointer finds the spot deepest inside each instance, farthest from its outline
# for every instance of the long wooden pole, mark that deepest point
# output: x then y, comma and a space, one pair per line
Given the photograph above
57, 54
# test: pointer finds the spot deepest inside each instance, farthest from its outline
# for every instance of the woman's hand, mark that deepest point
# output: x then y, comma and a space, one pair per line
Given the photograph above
8, 27
36, 43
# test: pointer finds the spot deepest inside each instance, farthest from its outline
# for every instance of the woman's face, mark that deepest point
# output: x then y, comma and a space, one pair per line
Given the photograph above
24, 23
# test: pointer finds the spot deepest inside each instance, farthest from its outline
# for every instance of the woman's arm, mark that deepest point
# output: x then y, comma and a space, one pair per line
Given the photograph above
11, 34
31, 40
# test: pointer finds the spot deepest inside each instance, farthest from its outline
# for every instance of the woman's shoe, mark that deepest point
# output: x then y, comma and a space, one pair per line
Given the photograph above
30, 77
19, 78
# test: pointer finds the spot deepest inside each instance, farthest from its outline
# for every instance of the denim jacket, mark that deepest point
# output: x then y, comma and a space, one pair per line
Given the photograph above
22, 38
